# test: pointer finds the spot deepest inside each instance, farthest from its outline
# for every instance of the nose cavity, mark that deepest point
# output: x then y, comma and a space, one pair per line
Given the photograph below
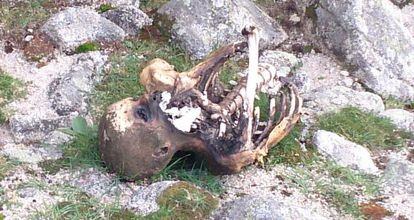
161, 152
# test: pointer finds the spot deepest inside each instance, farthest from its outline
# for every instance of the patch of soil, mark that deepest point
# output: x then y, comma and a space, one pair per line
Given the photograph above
374, 211
39, 49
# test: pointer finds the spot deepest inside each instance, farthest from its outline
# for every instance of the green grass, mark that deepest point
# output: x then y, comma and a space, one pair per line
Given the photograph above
339, 186
229, 72
10, 89
78, 205
19, 16
186, 169
364, 128
82, 151
105, 7
87, 47
6, 166
122, 80
289, 151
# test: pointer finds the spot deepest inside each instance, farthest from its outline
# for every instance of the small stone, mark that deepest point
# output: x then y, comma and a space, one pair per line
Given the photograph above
344, 152
28, 38
294, 18
401, 118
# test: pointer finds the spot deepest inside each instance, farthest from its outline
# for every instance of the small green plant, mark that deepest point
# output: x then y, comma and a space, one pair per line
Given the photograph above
185, 201
82, 151
105, 7
364, 128
10, 89
87, 47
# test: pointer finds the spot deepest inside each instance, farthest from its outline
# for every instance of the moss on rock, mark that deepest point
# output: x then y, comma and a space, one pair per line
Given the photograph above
186, 201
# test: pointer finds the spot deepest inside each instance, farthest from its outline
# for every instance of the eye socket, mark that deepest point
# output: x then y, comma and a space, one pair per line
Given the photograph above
143, 113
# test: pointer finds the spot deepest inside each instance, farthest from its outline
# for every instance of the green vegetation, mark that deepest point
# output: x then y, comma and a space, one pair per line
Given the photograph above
10, 89
82, 151
310, 12
289, 151
186, 169
123, 79
6, 165
364, 128
17, 17
184, 201
338, 185
392, 103
87, 47
229, 72
105, 7
149, 5
78, 205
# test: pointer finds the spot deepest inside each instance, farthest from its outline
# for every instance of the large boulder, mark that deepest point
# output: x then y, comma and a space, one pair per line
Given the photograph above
371, 35
202, 25
77, 25
344, 152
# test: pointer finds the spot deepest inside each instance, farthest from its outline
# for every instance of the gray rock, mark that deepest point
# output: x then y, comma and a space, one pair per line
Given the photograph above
401, 118
329, 99
49, 104
265, 207
69, 92
57, 138
408, 12
22, 153
344, 152
202, 25
401, 3
319, 71
77, 25
371, 35
129, 18
398, 186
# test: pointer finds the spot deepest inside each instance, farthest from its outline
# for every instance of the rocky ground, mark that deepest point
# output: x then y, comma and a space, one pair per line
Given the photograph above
350, 157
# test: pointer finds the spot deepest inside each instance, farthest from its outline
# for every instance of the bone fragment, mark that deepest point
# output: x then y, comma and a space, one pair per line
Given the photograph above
253, 41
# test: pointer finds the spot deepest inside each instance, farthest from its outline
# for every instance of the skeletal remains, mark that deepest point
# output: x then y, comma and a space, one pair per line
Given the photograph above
191, 112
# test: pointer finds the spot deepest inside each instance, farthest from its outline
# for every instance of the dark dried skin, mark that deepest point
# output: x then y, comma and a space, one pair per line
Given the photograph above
137, 139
